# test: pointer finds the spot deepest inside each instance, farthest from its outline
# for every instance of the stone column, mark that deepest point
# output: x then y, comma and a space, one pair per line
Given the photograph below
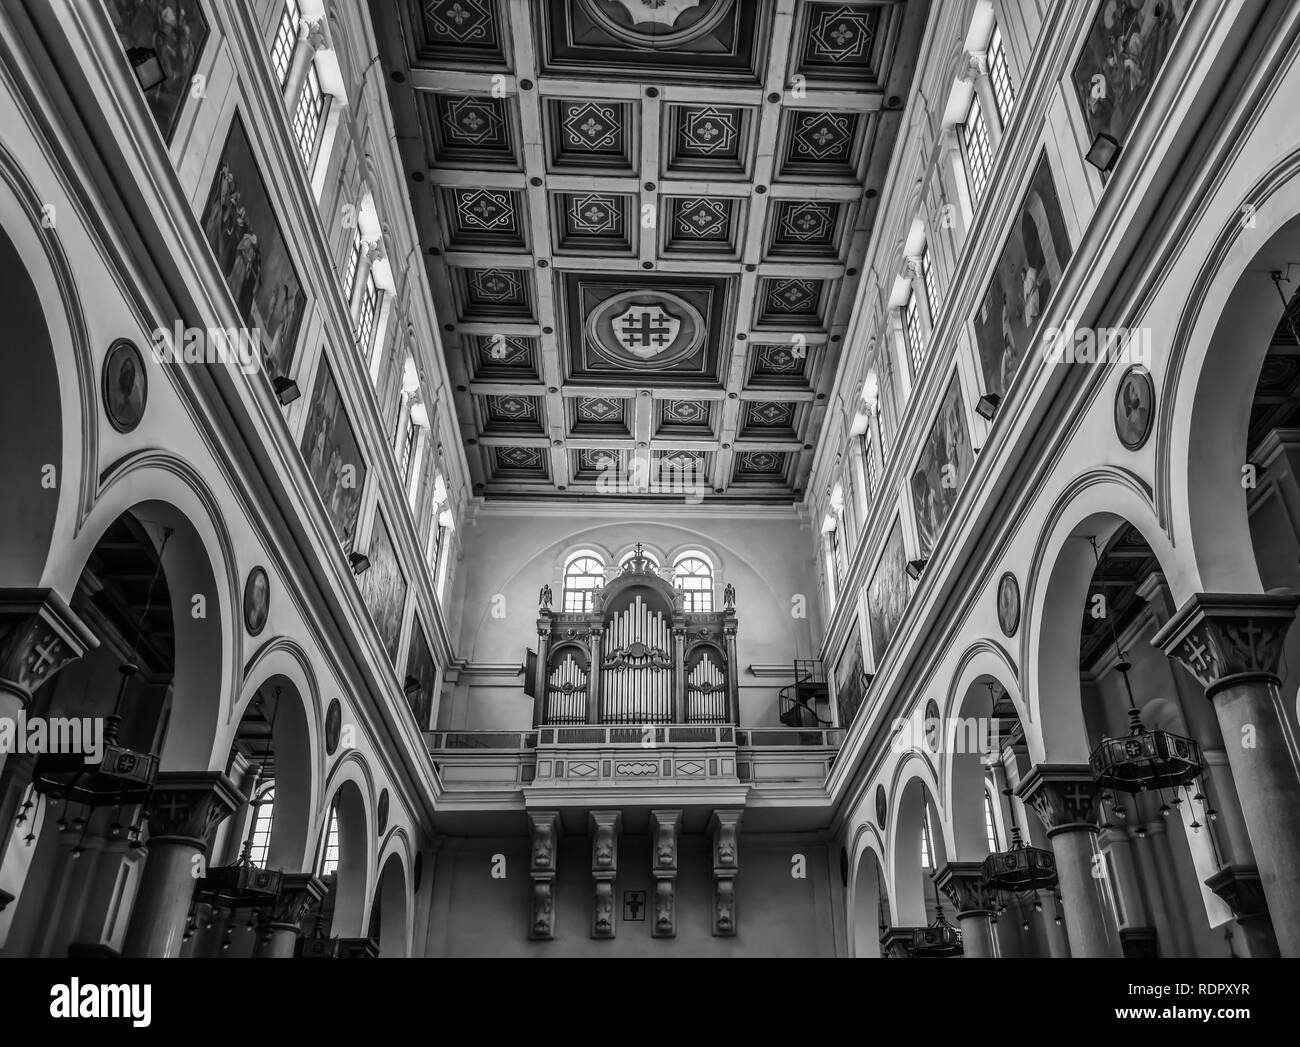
733, 668
960, 882
976, 74
604, 871
1116, 843
1233, 645
39, 635
299, 894
313, 36
544, 829
724, 828
540, 695
925, 312
680, 711
1064, 798
593, 676
186, 805
1239, 886
663, 862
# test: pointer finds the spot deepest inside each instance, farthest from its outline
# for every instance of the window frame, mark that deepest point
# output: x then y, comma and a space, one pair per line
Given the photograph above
699, 598
583, 605
977, 148
913, 335
1004, 93
285, 42
313, 100
263, 805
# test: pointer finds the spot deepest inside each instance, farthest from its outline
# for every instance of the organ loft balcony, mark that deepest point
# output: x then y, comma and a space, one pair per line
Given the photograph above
635, 702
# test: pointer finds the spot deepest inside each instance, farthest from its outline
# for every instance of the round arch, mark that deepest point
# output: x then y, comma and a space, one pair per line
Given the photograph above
281, 663
351, 791
913, 790
867, 892
393, 903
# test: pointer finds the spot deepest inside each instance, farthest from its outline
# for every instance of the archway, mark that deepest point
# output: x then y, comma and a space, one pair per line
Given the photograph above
389, 921
347, 833
870, 906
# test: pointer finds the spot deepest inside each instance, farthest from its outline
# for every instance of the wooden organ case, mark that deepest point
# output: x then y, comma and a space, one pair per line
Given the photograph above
636, 657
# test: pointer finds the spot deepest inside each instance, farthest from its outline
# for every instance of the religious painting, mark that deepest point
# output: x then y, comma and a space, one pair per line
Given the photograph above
175, 30
333, 457
125, 386
887, 593
1027, 274
251, 252
1126, 46
383, 589
849, 683
421, 677
945, 461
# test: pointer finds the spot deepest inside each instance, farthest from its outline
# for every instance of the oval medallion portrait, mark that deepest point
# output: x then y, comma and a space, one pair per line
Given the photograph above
257, 600
125, 386
333, 727
1009, 604
1134, 407
882, 807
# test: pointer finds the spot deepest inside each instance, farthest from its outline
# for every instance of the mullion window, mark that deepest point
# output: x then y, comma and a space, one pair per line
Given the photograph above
1003, 93
369, 313
979, 154
912, 331
931, 287
308, 116
286, 39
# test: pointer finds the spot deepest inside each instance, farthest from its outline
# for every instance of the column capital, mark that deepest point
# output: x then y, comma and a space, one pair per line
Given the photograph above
187, 805
299, 893
974, 65
1240, 889
962, 886
1227, 638
1064, 796
39, 635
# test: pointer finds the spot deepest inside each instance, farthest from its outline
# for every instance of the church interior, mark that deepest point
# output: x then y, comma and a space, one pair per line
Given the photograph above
649, 478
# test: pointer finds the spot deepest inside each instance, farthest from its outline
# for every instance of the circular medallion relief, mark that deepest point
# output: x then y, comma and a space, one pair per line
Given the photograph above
661, 24
932, 725
125, 386
257, 600
1009, 604
1134, 407
644, 330
333, 727
882, 807
381, 811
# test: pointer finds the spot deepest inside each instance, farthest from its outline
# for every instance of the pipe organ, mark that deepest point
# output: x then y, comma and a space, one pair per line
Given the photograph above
636, 657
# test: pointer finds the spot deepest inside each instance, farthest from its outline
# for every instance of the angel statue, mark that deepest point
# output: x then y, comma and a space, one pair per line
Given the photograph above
729, 596
544, 597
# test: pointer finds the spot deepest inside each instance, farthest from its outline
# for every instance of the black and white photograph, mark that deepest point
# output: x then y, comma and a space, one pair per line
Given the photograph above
1021, 286
334, 462
383, 588
172, 34
722, 479
945, 460
244, 232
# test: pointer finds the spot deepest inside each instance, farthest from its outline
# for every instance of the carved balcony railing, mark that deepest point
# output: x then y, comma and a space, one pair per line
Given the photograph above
637, 657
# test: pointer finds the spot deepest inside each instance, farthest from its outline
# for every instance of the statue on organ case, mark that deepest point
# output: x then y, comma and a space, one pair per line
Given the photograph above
729, 596
544, 597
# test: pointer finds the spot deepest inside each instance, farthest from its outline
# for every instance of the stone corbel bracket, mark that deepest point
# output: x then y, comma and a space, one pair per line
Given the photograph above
663, 839
544, 831
605, 827
724, 828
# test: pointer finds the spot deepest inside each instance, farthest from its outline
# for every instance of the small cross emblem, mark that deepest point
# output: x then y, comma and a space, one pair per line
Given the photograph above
1197, 652
44, 655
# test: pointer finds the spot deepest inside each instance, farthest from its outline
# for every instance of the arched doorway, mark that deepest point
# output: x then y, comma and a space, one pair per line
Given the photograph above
389, 917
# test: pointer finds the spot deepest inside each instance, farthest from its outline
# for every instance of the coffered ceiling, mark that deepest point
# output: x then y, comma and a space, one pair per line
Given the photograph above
643, 223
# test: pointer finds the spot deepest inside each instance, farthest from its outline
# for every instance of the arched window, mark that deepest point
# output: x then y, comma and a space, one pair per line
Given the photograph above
694, 575
583, 575
927, 849
329, 863
990, 826
260, 838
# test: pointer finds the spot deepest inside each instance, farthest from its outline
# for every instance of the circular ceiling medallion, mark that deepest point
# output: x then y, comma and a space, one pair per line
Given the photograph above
1009, 604
645, 330
1134, 400
932, 725
661, 24
882, 807
125, 386
381, 811
333, 727
257, 600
